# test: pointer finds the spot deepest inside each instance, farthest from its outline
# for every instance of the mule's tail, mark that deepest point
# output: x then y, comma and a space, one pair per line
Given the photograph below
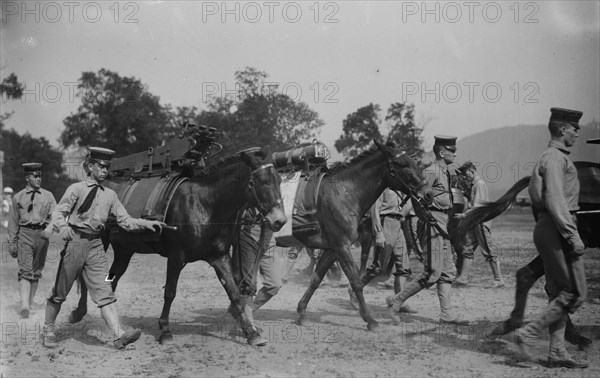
491, 210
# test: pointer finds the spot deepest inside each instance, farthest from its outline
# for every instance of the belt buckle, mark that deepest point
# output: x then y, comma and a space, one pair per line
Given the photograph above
108, 279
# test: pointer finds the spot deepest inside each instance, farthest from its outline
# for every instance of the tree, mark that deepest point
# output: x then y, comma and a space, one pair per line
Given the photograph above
11, 89
260, 116
19, 149
403, 130
360, 128
364, 125
116, 112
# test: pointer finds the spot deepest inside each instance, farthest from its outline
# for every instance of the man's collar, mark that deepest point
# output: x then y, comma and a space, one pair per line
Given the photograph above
90, 181
559, 145
29, 189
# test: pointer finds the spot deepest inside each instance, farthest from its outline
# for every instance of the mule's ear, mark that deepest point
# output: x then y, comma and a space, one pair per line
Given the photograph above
379, 145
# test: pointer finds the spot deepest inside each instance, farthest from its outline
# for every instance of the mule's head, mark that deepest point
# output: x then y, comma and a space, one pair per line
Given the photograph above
263, 188
403, 174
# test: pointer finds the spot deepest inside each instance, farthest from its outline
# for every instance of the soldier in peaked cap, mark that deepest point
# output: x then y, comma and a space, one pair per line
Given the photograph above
554, 192
439, 264
80, 217
28, 231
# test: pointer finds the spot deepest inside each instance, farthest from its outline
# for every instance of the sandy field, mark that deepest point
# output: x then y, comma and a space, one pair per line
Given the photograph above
334, 343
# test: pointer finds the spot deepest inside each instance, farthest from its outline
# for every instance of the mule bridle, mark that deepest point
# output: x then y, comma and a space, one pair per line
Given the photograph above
252, 189
393, 173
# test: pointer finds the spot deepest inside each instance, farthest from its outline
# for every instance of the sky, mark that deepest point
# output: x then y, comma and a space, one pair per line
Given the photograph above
467, 66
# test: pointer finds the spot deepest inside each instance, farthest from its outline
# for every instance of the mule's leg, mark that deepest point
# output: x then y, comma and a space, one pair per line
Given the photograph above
174, 266
365, 251
79, 312
119, 265
323, 264
345, 259
222, 266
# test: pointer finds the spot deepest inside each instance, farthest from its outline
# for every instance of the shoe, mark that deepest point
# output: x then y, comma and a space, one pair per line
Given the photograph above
524, 343
49, 338
24, 312
407, 309
568, 362
460, 283
127, 338
258, 341
496, 285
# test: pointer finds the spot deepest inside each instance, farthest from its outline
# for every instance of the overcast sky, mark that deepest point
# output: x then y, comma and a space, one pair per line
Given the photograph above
467, 66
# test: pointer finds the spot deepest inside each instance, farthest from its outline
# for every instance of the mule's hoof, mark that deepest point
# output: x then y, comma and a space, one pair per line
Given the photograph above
301, 321
373, 327
75, 316
166, 338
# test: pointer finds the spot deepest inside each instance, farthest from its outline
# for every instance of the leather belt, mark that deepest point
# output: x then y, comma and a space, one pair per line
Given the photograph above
394, 216
86, 235
34, 226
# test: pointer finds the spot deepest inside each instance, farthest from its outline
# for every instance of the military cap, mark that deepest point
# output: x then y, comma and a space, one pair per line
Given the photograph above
446, 141
466, 166
31, 167
566, 115
101, 155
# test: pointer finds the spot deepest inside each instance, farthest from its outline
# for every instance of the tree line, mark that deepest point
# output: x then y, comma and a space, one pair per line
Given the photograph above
122, 114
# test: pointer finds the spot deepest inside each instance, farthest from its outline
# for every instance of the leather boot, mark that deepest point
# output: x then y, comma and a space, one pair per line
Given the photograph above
525, 335
25, 291
399, 283
558, 356
498, 280
395, 302
463, 278
49, 336
447, 316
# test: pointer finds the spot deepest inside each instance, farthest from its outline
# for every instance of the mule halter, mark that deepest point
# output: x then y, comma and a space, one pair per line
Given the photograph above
411, 192
254, 195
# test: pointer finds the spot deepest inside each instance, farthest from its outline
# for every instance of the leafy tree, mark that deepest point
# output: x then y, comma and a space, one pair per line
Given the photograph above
364, 125
10, 89
19, 149
116, 112
360, 128
403, 130
260, 116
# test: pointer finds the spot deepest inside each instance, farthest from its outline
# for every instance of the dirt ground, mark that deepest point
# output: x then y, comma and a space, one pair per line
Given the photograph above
334, 343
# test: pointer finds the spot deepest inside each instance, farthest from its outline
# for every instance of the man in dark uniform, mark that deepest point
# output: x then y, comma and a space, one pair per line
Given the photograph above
439, 265
80, 217
28, 231
554, 192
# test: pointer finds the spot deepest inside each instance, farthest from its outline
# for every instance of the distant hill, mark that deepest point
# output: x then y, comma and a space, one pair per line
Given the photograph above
505, 155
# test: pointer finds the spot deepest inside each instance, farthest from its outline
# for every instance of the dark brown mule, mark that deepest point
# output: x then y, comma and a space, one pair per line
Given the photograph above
345, 194
204, 209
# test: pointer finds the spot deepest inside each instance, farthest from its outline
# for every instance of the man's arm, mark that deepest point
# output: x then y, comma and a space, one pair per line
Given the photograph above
13, 228
556, 204
126, 222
